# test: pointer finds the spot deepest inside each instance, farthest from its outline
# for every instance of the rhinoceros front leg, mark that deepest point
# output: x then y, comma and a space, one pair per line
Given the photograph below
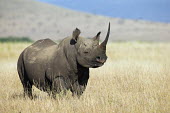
80, 85
78, 89
58, 86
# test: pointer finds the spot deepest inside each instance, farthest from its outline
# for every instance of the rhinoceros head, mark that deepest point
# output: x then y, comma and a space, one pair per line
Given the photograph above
90, 53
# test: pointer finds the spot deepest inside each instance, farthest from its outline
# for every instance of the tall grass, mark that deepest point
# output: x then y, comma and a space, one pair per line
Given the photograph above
135, 79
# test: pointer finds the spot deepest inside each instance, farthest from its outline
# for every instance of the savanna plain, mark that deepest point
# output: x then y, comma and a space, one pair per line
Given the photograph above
135, 79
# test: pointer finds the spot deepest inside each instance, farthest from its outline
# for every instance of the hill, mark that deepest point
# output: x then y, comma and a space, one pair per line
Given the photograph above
29, 18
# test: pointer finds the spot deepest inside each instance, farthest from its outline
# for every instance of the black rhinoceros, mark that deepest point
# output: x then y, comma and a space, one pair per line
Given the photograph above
59, 67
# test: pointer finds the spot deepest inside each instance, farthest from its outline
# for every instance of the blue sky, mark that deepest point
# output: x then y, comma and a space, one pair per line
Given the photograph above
151, 10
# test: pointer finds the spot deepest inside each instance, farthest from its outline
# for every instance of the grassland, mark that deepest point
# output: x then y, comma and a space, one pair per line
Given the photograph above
135, 79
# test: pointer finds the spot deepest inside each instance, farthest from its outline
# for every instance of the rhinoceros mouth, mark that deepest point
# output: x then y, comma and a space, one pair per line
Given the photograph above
96, 65
91, 64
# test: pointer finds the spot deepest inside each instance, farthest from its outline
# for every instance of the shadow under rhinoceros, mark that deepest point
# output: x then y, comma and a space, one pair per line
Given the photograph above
22, 96
36, 96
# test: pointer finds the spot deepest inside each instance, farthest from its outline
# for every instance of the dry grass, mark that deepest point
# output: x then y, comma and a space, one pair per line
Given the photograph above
135, 79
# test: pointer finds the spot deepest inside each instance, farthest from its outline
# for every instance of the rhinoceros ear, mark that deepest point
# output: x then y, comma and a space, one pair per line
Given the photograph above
76, 34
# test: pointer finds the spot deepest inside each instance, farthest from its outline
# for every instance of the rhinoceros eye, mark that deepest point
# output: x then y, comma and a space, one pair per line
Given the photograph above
86, 52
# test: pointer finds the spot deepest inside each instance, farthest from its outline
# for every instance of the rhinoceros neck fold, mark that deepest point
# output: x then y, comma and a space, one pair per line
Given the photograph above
65, 59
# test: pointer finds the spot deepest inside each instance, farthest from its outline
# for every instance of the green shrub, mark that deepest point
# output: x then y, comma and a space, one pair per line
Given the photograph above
15, 39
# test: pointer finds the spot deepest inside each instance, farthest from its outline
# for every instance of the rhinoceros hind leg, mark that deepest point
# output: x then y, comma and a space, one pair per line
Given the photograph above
27, 89
27, 85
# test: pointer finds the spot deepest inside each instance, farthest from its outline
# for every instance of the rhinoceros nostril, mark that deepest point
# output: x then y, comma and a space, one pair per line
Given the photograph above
98, 58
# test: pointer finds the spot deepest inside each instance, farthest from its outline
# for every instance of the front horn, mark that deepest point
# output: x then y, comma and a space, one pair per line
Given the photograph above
104, 43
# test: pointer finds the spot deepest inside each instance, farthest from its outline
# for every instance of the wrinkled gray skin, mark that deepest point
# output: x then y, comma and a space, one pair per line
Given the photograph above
54, 68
